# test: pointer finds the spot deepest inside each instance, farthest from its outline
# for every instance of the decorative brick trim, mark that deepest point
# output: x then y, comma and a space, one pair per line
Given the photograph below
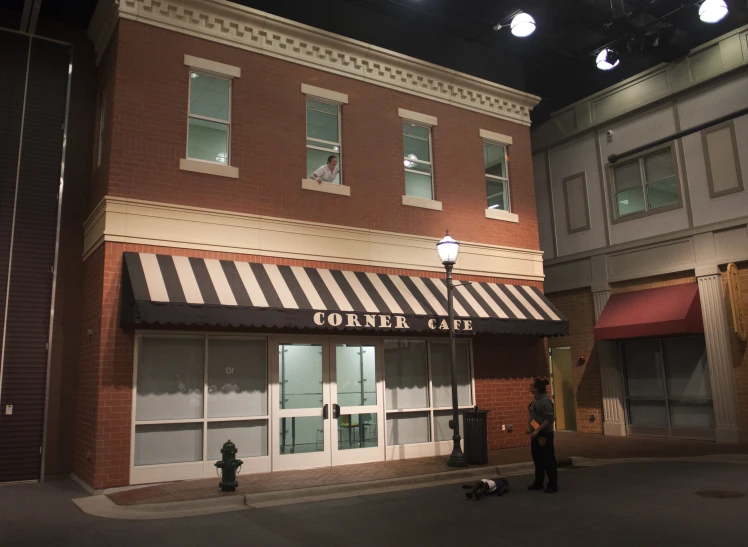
245, 28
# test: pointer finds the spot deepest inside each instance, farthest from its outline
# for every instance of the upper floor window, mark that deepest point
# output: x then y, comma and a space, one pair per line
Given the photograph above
417, 160
209, 123
323, 142
497, 176
647, 183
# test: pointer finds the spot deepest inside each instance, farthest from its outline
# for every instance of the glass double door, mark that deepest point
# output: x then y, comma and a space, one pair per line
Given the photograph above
327, 402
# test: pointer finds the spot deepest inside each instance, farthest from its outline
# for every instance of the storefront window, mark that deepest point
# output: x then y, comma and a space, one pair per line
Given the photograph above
419, 389
171, 408
667, 384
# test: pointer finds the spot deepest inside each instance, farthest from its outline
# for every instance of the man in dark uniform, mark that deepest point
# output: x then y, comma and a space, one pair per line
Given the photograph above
540, 427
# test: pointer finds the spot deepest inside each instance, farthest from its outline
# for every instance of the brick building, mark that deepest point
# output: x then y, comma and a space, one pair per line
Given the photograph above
641, 196
229, 293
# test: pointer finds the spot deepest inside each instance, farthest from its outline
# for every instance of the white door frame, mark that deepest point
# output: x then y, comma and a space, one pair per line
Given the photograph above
358, 455
308, 460
330, 454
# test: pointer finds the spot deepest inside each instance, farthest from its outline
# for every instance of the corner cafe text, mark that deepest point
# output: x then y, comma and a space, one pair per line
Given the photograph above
373, 321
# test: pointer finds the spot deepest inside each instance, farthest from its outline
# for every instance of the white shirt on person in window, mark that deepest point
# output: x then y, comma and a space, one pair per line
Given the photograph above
325, 175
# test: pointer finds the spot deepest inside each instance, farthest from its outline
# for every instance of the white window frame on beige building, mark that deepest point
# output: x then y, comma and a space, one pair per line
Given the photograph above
423, 120
337, 99
504, 141
214, 70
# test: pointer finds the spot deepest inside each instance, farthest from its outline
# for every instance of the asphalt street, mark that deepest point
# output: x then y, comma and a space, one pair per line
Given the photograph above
636, 504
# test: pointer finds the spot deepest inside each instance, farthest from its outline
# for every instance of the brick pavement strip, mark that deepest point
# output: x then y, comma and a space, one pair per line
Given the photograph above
567, 445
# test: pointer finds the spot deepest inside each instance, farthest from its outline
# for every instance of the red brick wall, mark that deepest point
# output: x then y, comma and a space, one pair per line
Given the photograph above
739, 351
578, 307
504, 367
102, 456
89, 364
268, 145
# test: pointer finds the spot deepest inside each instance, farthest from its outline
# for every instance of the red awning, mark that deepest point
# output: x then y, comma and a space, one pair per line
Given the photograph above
651, 312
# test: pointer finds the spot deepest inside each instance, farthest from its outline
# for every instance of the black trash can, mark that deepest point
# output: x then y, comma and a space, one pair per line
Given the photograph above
476, 436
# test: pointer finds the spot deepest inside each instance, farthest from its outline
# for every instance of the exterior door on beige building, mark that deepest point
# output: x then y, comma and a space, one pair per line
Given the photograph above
563, 389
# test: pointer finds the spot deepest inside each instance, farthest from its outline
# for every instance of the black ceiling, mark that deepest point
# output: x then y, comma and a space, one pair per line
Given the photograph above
556, 62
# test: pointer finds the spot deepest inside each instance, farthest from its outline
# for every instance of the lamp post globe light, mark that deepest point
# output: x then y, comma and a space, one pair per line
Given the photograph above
449, 250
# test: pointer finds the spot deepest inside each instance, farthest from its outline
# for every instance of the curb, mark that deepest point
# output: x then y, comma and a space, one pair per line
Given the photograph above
102, 506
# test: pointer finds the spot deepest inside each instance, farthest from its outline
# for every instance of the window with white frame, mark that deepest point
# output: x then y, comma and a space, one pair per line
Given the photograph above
193, 393
102, 120
418, 389
209, 119
417, 160
646, 183
323, 141
497, 176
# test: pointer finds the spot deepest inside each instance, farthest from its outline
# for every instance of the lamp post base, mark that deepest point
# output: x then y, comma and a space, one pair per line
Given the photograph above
457, 458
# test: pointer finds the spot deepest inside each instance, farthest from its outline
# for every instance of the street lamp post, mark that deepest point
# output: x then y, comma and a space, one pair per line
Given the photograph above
448, 250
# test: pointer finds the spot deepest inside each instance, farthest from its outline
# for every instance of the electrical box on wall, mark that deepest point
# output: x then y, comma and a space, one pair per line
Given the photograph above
8, 410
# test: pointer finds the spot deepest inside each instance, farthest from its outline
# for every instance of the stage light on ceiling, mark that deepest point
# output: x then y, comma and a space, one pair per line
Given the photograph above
523, 25
607, 59
712, 11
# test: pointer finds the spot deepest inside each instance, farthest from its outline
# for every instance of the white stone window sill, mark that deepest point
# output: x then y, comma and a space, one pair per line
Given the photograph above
498, 214
326, 187
423, 203
209, 168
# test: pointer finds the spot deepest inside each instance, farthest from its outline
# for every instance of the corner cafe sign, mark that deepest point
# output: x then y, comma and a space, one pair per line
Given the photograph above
397, 322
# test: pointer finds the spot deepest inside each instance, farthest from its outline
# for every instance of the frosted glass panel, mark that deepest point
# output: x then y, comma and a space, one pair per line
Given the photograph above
687, 367
406, 374
442, 432
418, 186
300, 376
237, 378
250, 438
494, 160
644, 368
627, 176
662, 193
648, 413
322, 121
408, 428
209, 96
168, 443
301, 435
696, 414
208, 141
441, 376
498, 195
659, 166
630, 201
170, 379
356, 375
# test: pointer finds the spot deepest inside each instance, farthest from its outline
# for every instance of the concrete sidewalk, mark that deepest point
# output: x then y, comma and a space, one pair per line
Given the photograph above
593, 447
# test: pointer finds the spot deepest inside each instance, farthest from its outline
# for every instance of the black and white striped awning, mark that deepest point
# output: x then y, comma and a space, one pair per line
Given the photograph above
177, 290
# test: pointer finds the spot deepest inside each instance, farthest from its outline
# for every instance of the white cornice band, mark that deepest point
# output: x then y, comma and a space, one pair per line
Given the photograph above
124, 220
253, 30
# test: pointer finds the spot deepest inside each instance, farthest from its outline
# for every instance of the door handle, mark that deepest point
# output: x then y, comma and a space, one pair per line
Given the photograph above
335, 411
325, 413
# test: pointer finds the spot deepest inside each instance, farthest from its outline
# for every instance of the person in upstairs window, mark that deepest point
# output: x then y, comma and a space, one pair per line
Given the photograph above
327, 172
540, 427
